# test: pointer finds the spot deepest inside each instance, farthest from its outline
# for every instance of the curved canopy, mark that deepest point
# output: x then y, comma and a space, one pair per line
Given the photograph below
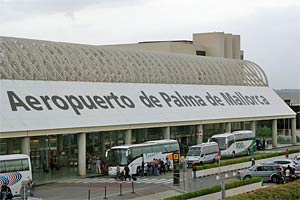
26, 59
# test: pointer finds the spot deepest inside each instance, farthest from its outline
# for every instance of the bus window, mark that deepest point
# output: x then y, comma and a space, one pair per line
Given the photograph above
230, 140
156, 148
136, 152
174, 147
25, 164
165, 148
147, 149
221, 142
13, 165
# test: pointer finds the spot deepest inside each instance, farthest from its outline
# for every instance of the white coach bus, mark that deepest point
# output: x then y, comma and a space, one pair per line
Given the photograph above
15, 170
131, 155
236, 143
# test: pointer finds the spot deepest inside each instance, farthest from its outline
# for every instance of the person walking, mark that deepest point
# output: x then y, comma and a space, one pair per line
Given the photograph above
30, 188
127, 173
287, 153
142, 169
194, 169
98, 165
252, 161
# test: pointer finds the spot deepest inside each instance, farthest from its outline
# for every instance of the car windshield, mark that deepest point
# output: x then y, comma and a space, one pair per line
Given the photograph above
193, 153
253, 168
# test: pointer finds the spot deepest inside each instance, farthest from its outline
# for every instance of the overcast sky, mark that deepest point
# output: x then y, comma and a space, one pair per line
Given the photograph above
269, 29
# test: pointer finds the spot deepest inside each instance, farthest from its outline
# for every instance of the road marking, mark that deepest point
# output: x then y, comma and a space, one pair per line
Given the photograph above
112, 180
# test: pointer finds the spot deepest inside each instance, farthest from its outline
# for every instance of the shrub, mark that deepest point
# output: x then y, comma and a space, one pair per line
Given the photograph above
214, 189
241, 160
286, 191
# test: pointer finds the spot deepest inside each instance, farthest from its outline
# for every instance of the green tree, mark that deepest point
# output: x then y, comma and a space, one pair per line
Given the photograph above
264, 132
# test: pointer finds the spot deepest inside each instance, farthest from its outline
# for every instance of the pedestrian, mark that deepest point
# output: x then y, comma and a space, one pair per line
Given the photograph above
118, 172
142, 169
98, 165
194, 169
6, 193
30, 188
127, 173
168, 163
52, 161
252, 162
287, 153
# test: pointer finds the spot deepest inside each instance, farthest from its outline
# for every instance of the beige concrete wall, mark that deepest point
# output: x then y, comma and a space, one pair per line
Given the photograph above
171, 47
213, 43
228, 50
236, 40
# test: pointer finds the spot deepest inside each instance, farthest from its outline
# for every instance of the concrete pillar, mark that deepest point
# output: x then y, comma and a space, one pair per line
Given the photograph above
139, 136
274, 133
25, 146
223, 127
102, 144
128, 136
253, 126
81, 154
294, 141
199, 133
242, 125
166, 132
228, 127
10, 148
59, 144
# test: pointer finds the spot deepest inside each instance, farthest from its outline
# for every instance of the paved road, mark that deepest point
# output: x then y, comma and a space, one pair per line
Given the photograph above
77, 188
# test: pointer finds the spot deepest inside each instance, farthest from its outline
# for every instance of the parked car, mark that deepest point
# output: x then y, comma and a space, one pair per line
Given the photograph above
266, 171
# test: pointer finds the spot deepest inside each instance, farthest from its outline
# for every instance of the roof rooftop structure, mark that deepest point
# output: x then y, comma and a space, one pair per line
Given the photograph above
26, 59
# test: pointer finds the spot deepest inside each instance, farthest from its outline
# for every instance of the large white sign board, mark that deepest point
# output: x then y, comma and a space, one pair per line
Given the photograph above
40, 105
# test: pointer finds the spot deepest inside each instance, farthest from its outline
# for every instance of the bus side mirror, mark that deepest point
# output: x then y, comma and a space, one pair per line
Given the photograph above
106, 153
127, 153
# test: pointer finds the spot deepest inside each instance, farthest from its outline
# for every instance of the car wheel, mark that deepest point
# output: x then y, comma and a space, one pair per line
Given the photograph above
247, 177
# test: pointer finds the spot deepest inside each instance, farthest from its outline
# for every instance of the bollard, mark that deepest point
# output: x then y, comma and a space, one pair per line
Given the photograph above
105, 192
132, 187
121, 189
89, 195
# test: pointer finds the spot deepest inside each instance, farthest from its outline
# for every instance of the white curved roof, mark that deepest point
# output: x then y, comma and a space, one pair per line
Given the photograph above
26, 59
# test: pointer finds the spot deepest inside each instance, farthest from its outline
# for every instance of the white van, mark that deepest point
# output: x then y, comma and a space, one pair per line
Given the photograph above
202, 153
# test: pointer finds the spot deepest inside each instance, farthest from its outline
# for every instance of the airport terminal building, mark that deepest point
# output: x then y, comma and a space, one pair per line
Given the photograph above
74, 100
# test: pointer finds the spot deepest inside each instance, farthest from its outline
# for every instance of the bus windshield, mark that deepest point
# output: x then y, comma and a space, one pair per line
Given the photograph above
221, 142
115, 156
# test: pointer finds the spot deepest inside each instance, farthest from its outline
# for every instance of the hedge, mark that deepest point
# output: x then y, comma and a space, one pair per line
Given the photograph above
287, 191
241, 160
214, 189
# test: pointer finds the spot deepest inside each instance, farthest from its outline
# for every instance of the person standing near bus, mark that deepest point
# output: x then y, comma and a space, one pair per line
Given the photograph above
98, 165
142, 169
30, 188
118, 171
